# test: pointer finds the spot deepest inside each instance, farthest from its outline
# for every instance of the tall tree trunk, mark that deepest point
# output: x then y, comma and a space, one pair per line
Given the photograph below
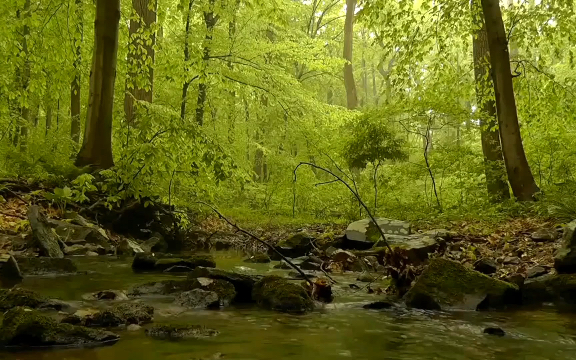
494, 166
374, 86
140, 81
349, 83
97, 145
523, 185
186, 61
23, 76
364, 71
210, 20
75, 93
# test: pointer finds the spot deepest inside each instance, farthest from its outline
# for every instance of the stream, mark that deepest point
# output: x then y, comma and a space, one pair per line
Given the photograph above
338, 331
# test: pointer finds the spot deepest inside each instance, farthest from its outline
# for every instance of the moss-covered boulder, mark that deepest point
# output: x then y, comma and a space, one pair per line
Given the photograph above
198, 299
224, 289
45, 266
553, 288
446, 284
278, 294
179, 332
148, 262
258, 259
299, 244
21, 297
121, 314
23, 327
243, 284
165, 287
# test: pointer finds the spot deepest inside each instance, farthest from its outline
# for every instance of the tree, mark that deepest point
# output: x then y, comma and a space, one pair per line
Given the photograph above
493, 160
75, 89
349, 83
142, 38
188, 80
23, 78
519, 174
96, 148
210, 20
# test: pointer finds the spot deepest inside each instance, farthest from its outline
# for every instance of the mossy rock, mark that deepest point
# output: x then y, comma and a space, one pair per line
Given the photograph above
45, 265
446, 284
189, 262
179, 332
121, 314
23, 327
276, 293
243, 284
297, 245
552, 288
258, 259
165, 287
224, 289
28, 298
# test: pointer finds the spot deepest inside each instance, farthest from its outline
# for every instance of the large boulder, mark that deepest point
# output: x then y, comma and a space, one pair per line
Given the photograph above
127, 247
360, 235
45, 265
42, 235
90, 234
243, 284
551, 288
158, 262
179, 332
198, 299
446, 284
23, 327
120, 314
224, 289
278, 294
297, 245
156, 243
565, 257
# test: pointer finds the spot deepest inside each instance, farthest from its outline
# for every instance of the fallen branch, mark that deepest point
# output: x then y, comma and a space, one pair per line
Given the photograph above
13, 215
271, 247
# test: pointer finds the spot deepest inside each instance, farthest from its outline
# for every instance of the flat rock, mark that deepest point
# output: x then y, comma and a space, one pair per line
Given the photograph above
179, 332
512, 260
366, 277
198, 299
158, 262
417, 246
565, 257
156, 243
45, 266
536, 272
307, 262
356, 234
446, 284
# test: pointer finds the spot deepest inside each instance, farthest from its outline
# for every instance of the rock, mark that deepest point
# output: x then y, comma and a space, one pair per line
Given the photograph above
331, 251
307, 263
258, 259
494, 331
342, 256
42, 234
127, 247
144, 262
551, 288
133, 327
45, 265
243, 284
165, 287
276, 293
92, 253
121, 314
283, 265
198, 299
10, 274
446, 284
156, 243
512, 260
91, 234
224, 289
565, 257
76, 250
416, 247
366, 277
179, 332
296, 275
178, 269
486, 266
544, 235
117, 295
297, 245
378, 305
27, 328
440, 234
516, 279
22, 297
536, 272
358, 237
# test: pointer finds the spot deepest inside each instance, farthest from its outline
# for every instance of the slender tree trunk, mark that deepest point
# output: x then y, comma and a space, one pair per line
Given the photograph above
186, 61
374, 86
364, 71
523, 185
23, 76
495, 168
140, 81
210, 20
97, 145
75, 89
349, 83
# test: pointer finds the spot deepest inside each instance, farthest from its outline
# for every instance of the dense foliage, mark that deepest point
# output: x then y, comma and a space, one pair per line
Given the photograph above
265, 80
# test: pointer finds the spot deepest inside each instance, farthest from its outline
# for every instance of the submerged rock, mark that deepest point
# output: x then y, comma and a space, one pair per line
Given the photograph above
179, 332
42, 235
307, 262
198, 299
565, 257
446, 284
358, 236
366, 277
378, 305
243, 284
276, 293
551, 288
23, 327
297, 245
494, 331
45, 266
258, 259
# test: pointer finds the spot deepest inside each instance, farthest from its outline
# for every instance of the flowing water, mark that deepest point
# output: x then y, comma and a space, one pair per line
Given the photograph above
339, 331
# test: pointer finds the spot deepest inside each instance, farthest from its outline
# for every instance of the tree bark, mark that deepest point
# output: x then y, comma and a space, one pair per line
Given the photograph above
23, 76
97, 145
494, 166
75, 93
140, 81
349, 83
210, 20
519, 174
186, 60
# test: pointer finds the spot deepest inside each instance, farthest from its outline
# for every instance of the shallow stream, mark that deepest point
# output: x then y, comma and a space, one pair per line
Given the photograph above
339, 331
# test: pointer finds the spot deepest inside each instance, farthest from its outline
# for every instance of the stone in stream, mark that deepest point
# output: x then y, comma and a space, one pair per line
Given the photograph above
10, 274
297, 245
366, 277
42, 235
378, 305
198, 299
156, 243
225, 290
486, 266
121, 314
258, 259
243, 284
179, 332
26, 328
361, 236
551, 288
147, 262
22, 297
495, 331
565, 257
127, 247
117, 295
278, 294
307, 262
45, 266
446, 284
283, 265
91, 234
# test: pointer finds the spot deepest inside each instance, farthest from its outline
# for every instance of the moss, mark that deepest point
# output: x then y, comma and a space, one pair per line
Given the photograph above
225, 290
179, 331
258, 259
450, 283
121, 314
44, 265
300, 240
243, 284
276, 293
20, 297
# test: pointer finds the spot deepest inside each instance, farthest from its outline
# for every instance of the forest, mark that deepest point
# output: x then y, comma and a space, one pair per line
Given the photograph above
303, 156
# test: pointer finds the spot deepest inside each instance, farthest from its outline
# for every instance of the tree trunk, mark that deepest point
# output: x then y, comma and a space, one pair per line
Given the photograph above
75, 94
186, 60
140, 81
210, 20
23, 76
523, 185
97, 145
349, 83
494, 166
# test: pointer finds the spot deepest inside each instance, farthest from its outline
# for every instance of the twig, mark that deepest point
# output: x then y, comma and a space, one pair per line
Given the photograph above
12, 215
271, 247
18, 197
